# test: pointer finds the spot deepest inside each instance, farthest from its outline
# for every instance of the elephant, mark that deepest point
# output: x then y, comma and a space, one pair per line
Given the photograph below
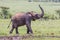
20, 19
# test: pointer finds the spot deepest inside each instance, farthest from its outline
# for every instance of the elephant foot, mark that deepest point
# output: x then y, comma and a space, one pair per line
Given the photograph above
30, 33
17, 32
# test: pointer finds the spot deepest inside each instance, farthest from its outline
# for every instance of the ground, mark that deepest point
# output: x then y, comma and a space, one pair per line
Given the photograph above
40, 28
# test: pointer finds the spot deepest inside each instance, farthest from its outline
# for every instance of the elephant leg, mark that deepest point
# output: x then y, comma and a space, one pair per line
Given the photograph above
12, 29
29, 30
28, 25
17, 30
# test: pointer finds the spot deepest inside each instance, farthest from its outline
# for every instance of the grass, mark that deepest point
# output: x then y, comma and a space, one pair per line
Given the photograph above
40, 27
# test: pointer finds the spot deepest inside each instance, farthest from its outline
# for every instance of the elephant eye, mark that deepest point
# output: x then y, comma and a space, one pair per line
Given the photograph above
37, 16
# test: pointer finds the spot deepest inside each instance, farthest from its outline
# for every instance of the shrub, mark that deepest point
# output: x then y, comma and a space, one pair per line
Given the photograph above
58, 12
5, 13
51, 15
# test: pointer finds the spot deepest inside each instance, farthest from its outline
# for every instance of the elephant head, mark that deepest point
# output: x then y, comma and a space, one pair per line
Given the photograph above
36, 15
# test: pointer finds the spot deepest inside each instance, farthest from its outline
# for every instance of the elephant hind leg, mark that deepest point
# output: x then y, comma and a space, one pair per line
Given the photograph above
17, 30
12, 29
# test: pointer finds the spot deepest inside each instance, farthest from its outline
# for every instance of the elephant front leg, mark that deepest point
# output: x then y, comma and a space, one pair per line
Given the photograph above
28, 25
29, 30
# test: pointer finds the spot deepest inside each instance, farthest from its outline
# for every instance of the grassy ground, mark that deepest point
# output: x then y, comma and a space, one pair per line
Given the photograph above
40, 28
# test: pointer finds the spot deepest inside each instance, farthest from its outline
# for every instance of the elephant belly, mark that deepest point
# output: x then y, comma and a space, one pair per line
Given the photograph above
21, 23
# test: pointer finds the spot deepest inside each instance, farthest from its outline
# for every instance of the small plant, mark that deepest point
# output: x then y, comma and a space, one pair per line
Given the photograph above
52, 33
58, 12
5, 13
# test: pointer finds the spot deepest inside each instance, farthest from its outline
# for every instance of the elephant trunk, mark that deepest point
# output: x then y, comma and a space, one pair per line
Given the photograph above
42, 14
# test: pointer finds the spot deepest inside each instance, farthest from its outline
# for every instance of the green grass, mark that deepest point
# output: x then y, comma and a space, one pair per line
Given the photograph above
42, 28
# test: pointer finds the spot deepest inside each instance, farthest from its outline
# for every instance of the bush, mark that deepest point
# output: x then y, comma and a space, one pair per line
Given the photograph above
51, 15
58, 12
5, 13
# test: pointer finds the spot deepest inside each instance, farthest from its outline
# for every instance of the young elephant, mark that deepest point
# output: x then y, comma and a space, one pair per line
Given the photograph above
21, 19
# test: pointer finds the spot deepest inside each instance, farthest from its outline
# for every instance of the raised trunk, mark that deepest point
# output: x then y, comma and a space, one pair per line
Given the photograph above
42, 14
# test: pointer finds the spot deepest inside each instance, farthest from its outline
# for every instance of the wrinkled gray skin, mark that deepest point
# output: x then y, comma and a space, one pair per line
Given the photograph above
21, 19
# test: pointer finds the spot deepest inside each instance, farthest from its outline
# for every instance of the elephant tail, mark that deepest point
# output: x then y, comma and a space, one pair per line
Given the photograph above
9, 24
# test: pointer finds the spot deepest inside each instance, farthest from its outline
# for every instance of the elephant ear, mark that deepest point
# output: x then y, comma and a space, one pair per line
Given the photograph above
33, 15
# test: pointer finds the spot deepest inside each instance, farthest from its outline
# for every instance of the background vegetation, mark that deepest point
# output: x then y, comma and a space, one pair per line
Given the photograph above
52, 10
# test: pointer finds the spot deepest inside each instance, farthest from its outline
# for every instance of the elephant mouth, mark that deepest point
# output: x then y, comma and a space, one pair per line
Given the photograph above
33, 18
